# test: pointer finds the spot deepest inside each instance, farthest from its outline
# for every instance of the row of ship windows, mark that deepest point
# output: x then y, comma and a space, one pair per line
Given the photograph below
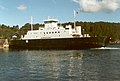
47, 32
51, 32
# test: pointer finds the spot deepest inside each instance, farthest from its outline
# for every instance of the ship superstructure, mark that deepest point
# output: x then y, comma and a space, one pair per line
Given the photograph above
51, 30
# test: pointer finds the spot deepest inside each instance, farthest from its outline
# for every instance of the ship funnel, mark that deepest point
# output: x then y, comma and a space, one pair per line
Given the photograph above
78, 30
70, 28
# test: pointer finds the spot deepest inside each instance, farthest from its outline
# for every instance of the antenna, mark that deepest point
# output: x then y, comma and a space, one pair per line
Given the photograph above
31, 23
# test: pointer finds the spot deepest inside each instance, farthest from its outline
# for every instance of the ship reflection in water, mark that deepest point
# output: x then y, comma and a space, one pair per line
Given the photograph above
66, 65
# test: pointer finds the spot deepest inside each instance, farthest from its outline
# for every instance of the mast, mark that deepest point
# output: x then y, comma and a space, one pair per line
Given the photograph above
74, 19
31, 23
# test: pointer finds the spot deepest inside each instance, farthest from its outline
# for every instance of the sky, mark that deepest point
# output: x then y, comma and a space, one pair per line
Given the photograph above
19, 12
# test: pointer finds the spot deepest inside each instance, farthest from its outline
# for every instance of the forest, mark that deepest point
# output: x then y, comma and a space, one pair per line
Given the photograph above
93, 28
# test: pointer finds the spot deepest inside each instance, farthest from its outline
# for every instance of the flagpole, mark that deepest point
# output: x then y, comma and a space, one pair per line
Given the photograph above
74, 19
31, 23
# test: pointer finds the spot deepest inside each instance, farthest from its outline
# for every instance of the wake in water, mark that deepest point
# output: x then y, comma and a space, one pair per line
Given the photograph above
107, 48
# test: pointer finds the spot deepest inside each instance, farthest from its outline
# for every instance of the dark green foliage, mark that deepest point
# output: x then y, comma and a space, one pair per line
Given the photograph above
7, 31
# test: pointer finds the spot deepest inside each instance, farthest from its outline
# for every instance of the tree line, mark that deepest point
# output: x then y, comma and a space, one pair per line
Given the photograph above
92, 28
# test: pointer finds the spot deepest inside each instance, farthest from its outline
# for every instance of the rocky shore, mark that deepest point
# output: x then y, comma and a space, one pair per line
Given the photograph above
4, 43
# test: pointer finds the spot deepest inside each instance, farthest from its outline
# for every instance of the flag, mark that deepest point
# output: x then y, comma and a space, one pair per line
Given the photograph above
75, 13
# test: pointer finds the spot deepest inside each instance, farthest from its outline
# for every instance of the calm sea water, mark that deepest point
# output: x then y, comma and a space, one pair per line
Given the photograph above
101, 64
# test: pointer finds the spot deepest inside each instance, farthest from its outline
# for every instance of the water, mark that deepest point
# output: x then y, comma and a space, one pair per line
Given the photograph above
100, 64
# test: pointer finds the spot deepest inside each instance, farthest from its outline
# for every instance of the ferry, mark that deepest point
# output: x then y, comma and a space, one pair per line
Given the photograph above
53, 36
